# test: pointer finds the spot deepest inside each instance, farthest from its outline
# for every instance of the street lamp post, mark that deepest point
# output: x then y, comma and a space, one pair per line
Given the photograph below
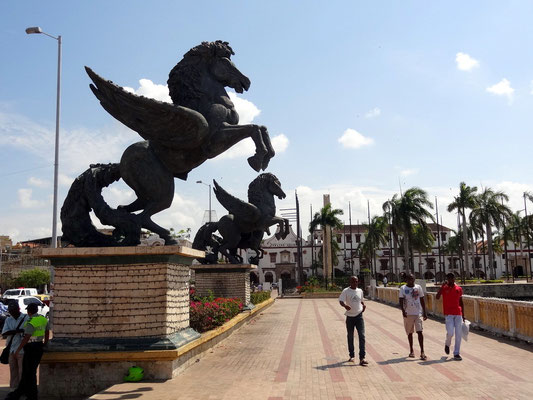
209, 185
29, 31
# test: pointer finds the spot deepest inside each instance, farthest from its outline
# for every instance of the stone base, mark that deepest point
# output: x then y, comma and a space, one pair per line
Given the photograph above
224, 280
119, 302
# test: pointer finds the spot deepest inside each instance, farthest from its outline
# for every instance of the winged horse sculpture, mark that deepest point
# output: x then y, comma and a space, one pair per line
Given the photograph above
246, 223
200, 124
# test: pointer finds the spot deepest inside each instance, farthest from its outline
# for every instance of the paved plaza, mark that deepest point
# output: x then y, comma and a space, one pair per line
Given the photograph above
296, 349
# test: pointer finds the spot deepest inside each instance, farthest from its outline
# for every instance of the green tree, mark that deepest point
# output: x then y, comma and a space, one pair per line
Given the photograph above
328, 219
422, 241
465, 200
391, 214
405, 211
376, 235
490, 211
33, 278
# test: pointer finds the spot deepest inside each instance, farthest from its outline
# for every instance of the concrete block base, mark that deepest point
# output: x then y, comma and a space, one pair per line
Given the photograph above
224, 280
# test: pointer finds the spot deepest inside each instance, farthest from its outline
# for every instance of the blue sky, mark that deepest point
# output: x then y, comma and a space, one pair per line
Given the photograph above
359, 98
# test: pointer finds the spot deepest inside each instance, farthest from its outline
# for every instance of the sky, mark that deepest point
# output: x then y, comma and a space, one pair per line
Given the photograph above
362, 100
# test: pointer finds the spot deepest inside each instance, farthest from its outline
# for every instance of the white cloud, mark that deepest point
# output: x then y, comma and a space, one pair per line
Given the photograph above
409, 171
40, 183
465, 62
25, 200
246, 109
375, 112
246, 147
502, 88
152, 90
354, 140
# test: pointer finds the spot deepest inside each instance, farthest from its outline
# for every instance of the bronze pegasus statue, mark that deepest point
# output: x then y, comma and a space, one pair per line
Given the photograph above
200, 124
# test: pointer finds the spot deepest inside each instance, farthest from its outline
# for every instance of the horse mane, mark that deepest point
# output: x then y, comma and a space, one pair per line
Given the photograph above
184, 79
256, 187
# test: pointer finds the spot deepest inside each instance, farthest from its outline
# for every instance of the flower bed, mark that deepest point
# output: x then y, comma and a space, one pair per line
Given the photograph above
207, 313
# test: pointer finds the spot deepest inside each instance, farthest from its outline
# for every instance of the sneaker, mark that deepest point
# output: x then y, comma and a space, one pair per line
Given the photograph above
363, 362
457, 357
350, 359
447, 349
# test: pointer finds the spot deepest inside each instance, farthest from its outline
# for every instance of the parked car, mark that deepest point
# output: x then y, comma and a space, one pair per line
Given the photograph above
45, 298
23, 301
14, 293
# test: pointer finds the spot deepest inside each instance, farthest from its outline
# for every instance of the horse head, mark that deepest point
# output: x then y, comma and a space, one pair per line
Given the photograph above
265, 182
213, 58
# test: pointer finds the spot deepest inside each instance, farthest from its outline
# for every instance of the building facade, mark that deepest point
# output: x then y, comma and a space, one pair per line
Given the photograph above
280, 259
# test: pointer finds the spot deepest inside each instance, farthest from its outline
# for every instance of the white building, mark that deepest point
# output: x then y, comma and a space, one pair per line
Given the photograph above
280, 260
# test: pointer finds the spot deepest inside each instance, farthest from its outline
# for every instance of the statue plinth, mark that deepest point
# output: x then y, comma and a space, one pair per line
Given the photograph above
224, 280
110, 307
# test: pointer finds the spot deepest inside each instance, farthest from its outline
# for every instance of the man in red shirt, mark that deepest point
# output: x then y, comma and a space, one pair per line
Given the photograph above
452, 305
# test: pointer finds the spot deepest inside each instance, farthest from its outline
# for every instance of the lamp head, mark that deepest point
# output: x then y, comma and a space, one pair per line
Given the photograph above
33, 29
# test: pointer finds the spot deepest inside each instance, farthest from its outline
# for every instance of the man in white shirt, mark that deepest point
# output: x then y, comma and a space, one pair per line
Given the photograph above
11, 332
351, 299
413, 309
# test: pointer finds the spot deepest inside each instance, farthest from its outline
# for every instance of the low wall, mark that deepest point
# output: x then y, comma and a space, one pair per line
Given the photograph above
510, 291
510, 318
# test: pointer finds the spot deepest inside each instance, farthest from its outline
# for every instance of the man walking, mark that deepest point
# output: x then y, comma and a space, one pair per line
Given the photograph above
36, 335
13, 328
413, 305
452, 305
351, 299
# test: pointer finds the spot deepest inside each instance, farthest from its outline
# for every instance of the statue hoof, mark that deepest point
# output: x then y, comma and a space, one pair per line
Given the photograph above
266, 160
255, 163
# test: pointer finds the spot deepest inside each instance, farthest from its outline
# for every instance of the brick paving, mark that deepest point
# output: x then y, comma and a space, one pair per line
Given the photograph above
297, 349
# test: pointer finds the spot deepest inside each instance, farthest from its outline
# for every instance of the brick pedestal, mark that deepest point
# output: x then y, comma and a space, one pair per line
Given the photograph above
126, 303
224, 280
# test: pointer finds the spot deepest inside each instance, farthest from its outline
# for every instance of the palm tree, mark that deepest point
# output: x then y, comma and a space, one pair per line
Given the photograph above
490, 211
465, 200
327, 218
451, 247
422, 241
412, 210
376, 236
390, 212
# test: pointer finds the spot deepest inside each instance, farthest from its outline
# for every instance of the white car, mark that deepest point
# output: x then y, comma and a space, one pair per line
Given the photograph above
14, 293
23, 301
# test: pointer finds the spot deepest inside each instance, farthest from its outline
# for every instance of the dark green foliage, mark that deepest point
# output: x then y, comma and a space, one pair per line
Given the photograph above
259, 297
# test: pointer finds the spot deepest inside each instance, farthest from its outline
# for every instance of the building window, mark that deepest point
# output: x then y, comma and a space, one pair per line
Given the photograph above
348, 238
384, 264
285, 256
430, 262
273, 257
295, 257
339, 238
443, 236
357, 238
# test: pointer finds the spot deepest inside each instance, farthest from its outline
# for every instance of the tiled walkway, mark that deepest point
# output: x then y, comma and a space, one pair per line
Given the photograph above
296, 349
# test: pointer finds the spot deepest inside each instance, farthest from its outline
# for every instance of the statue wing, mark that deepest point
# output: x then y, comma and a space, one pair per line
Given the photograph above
235, 206
167, 124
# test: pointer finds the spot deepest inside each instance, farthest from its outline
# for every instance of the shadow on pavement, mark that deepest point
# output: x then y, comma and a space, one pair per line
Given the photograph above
338, 364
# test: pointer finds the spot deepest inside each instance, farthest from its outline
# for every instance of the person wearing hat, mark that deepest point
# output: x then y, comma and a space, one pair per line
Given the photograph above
13, 328
36, 335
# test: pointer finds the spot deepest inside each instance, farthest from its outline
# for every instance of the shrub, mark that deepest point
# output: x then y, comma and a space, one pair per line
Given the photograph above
207, 313
259, 297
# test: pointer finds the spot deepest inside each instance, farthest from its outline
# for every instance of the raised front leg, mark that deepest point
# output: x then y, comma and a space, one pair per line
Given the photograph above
229, 135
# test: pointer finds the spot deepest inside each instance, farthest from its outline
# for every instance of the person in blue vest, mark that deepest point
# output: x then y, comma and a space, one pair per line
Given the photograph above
36, 335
